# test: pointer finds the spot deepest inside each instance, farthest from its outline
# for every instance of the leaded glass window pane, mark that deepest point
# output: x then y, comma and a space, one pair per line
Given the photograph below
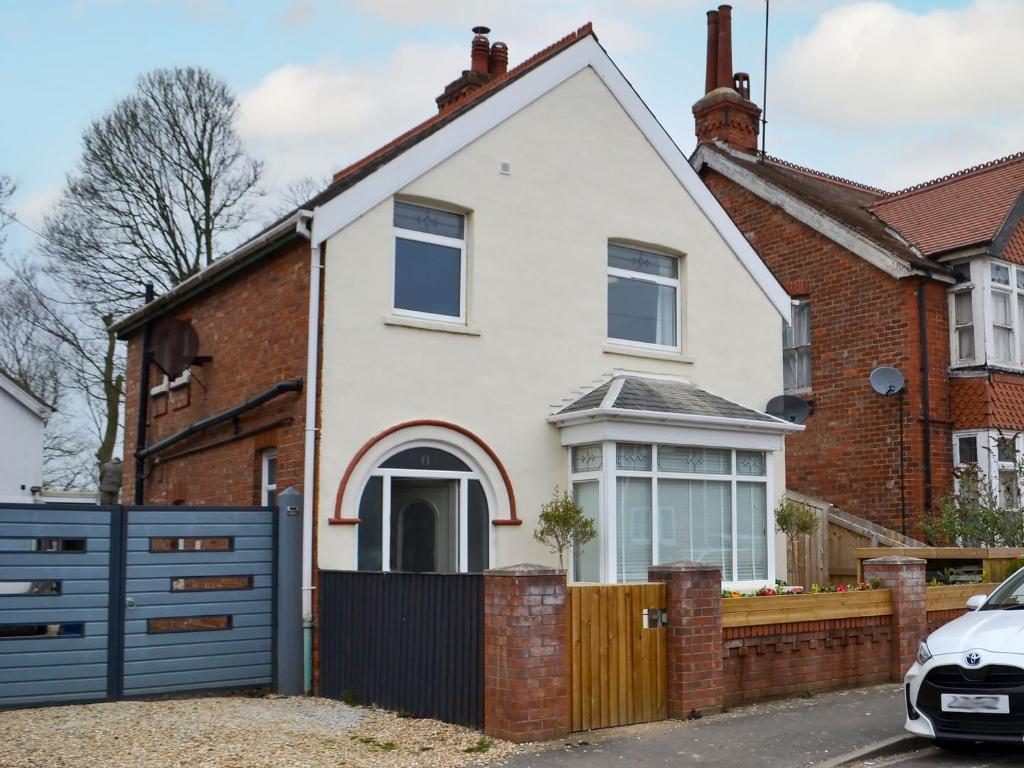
750, 463
429, 220
645, 262
633, 504
694, 461
633, 456
587, 458
968, 449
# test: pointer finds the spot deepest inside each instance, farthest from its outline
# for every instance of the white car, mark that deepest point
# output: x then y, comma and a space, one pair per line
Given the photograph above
968, 681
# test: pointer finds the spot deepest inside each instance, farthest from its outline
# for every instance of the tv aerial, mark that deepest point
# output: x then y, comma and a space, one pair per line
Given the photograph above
789, 408
886, 380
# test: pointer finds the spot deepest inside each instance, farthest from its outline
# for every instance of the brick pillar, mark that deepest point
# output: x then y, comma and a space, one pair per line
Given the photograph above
905, 577
693, 595
526, 653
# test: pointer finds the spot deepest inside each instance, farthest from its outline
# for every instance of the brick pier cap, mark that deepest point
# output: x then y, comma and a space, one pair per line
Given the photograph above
525, 569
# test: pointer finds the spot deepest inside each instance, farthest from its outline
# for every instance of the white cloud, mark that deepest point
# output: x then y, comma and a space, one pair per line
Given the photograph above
298, 13
871, 65
314, 120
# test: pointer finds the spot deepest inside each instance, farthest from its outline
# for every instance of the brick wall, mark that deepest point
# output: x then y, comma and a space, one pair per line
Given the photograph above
526, 653
780, 660
253, 325
861, 318
937, 618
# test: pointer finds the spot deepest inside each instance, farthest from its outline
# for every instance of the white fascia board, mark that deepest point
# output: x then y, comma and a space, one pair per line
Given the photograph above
669, 433
24, 399
340, 211
799, 210
775, 426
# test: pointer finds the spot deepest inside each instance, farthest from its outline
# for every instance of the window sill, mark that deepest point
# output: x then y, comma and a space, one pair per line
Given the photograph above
617, 349
430, 325
802, 392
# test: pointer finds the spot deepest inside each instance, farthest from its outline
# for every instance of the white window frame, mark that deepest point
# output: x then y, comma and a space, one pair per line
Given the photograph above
463, 477
628, 274
981, 288
987, 449
447, 242
800, 302
607, 516
265, 485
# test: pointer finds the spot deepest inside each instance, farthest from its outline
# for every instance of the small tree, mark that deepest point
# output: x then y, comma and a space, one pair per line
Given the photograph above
795, 520
563, 525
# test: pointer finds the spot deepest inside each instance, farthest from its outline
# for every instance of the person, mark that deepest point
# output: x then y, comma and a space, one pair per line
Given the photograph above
110, 481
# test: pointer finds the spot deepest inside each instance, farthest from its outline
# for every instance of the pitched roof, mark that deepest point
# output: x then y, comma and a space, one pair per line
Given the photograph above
24, 396
358, 170
955, 211
845, 202
626, 393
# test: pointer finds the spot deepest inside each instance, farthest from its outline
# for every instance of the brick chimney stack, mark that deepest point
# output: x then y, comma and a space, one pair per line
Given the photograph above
725, 113
486, 61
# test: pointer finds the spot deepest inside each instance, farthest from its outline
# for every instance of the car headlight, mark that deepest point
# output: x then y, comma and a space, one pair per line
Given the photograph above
923, 652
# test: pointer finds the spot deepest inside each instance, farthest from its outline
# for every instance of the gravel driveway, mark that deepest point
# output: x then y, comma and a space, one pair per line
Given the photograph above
234, 732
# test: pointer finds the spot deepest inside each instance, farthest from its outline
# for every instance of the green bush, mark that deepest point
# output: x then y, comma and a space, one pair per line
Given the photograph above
563, 525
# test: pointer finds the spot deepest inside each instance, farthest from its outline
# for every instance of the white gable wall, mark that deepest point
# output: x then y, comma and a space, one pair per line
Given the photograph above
581, 174
21, 450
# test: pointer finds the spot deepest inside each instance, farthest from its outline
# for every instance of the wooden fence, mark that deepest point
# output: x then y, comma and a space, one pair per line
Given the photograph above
618, 655
757, 611
994, 561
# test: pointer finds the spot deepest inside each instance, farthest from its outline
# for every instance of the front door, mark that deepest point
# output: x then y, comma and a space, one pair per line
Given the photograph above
424, 522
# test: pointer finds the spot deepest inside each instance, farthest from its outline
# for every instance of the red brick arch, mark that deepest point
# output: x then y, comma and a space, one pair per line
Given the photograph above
337, 519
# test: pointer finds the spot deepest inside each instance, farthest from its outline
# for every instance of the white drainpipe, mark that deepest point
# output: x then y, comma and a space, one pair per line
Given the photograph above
309, 513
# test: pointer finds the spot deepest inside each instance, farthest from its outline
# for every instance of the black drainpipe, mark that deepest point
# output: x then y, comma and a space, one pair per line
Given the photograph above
926, 406
140, 426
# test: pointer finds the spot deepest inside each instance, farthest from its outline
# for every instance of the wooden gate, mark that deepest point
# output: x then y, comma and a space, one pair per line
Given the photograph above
618, 654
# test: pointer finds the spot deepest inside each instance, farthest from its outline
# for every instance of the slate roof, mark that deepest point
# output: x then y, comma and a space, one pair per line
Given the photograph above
666, 396
956, 211
842, 200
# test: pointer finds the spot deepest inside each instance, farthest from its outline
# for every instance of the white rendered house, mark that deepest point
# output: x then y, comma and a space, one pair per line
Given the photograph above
23, 416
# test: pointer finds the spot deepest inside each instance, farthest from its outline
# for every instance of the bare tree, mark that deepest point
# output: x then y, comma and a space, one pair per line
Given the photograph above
298, 193
6, 190
163, 179
162, 183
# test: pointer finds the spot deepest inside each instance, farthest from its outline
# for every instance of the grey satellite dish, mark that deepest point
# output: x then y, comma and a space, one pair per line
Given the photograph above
886, 380
789, 408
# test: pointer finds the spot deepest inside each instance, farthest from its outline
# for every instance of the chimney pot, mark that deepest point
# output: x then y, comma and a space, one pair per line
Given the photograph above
724, 79
741, 83
498, 62
711, 76
480, 51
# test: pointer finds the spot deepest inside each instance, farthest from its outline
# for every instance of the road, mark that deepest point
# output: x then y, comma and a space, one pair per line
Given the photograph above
972, 757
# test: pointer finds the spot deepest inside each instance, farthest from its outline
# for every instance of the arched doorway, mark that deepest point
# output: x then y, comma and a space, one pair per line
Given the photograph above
423, 509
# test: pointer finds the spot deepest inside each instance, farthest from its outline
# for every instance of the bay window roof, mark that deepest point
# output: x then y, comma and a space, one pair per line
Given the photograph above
642, 398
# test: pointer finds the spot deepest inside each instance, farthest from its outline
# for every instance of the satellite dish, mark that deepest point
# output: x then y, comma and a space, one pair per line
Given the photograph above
886, 380
789, 408
175, 345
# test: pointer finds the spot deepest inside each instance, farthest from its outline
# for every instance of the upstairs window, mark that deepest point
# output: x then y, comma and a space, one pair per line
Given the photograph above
643, 297
796, 348
1002, 314
430, 263
963, 326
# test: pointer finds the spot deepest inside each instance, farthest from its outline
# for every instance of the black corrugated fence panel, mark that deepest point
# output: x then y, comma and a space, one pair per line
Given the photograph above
410, 642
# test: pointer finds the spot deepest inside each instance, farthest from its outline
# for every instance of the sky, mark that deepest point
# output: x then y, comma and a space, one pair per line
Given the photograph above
888, 92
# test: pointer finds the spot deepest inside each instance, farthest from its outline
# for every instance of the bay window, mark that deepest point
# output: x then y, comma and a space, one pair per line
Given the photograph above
665, 503
987, 314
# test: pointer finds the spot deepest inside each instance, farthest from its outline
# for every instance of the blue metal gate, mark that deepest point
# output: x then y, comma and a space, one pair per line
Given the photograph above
108, 602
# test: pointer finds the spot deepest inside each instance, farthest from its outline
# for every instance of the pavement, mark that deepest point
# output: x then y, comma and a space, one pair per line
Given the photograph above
975, 756
823, 730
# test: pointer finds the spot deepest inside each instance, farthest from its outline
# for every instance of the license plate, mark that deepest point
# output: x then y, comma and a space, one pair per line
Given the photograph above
966, 702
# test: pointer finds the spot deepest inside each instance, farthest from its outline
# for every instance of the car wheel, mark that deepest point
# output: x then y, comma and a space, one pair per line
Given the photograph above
954, 745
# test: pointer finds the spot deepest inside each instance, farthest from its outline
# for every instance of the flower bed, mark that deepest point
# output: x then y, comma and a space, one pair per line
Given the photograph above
782, 589
854, 601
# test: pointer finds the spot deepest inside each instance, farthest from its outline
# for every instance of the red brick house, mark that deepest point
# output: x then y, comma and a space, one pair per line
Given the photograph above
927, 280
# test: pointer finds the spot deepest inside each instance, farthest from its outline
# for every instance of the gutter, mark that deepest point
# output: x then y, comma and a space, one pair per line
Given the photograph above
221, 267
775, 426
309, 451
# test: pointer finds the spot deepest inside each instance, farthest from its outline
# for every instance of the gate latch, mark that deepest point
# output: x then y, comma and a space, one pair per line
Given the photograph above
655, 618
